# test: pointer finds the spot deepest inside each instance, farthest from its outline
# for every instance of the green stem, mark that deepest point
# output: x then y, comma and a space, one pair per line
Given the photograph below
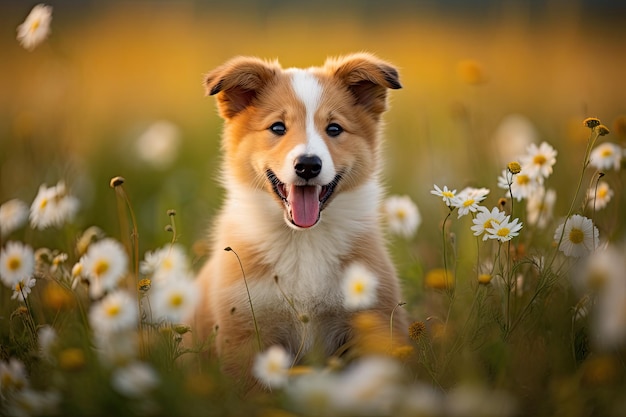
592, 140
443, 238
117, 183
400, 304
245, 281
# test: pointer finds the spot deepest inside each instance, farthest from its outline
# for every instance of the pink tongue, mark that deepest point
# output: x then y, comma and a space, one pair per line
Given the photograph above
305, 205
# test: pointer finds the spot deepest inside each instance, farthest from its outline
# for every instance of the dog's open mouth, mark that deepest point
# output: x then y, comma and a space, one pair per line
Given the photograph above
303, 203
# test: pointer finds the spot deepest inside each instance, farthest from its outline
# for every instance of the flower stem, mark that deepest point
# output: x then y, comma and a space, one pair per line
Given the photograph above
245, 281
400, 304
444, 242
592, 140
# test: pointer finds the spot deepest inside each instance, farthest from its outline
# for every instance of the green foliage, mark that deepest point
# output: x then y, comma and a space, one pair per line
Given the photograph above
517, 324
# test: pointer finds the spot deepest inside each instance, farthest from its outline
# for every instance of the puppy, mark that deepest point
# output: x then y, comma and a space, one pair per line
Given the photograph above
301, 164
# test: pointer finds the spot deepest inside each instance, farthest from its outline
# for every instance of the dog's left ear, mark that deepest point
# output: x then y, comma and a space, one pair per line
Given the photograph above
367, 78
238, 82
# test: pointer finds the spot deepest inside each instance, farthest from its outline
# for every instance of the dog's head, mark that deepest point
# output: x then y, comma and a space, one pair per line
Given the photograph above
304, 135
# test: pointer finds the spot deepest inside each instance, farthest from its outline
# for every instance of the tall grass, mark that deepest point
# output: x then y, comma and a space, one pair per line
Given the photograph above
499, 328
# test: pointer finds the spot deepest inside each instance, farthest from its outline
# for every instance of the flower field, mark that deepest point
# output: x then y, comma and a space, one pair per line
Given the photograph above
505, 157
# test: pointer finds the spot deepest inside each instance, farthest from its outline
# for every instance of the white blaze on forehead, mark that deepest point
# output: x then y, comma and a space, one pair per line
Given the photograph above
309, 91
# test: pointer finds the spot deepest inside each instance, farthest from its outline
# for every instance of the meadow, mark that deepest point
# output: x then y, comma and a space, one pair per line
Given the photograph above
111, 150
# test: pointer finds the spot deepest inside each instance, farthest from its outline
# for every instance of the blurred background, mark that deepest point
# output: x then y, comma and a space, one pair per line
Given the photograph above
480, 79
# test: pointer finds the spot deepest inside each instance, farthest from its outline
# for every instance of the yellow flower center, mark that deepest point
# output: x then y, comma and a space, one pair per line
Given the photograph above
447, 194
167, 264
439, 278
113, 310
35, 25
602, 192
522, 179
274, 367
144, 284
468, 202
576, 236
484, 279
606, 152
176, 300
358, 287
71, 359
514, 167
7, 380
43, 204
489, 224
101, 267
18, 286
401, 214
539, 159
10, 382
14, 263
503, 232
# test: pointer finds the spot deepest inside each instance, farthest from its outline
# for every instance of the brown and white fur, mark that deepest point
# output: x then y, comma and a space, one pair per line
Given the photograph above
301, 163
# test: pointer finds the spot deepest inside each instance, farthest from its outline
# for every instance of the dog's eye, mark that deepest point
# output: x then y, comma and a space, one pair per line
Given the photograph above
333, 130
278, 128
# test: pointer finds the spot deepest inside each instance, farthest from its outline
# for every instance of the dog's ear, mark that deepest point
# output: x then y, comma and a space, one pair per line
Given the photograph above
367, 78
238, 81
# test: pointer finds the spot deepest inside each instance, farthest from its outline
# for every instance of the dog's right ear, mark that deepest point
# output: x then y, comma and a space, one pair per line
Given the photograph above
237, 82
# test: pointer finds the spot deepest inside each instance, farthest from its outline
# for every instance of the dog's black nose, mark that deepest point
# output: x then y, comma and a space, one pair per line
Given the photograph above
308, 166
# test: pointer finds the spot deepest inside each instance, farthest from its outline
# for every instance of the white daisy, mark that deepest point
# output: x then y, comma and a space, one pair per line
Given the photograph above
474, 400
422, 400
165, 264
159, 144
540, 206
22, 289
52, 206
78, 273
603, 275
116, 312
13, 215
467, 200
599, 271
579, 236
41, 214
446, 194
609, 320
46, 338
174, 300
538, 161
371, 386
135, 380
512, 136
606, 156
599, 198
36, 27
58, 261
505, 230
119, 349
314, 394
104, 265
486, 219
271, 367
521, 185
13, 376
30, 402
67, 205
359, 287
17, 263
403, 216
